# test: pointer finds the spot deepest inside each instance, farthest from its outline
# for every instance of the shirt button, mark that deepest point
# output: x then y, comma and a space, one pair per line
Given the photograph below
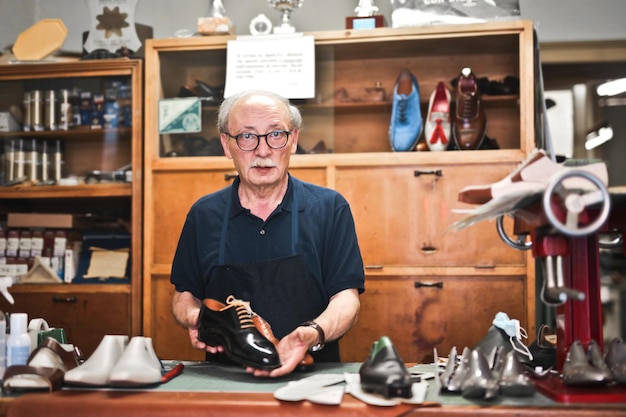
262, 232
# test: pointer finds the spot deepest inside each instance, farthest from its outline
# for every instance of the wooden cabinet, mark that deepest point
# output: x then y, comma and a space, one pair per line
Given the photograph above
429, 311
86, 313
104, 134
402, 202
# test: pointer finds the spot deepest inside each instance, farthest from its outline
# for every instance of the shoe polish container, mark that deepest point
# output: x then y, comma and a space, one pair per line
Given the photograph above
18, 342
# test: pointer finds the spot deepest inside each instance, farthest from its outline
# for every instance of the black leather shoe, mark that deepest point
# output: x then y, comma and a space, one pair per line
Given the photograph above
232, 327
543, 348
306, 364
384, 373
209, 95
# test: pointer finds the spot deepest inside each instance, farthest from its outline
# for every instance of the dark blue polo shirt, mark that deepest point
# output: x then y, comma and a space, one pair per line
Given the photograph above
327, 239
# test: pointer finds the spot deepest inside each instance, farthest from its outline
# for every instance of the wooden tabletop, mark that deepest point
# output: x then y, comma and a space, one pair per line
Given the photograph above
225, 404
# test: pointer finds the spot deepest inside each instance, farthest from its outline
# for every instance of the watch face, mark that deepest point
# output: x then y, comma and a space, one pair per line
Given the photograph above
260, 25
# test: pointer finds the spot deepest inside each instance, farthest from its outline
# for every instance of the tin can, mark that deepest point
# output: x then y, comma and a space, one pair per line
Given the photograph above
50, 113
65, 110
36, 110
27, 124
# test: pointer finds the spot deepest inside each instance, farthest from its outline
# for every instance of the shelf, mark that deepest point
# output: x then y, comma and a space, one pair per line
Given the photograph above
360, 106
72, 134
63, 288
66, 191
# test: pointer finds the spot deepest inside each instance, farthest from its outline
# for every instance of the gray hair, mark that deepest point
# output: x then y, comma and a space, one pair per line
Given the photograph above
295, 118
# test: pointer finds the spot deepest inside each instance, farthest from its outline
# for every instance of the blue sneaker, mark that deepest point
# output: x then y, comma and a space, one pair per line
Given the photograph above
406, 114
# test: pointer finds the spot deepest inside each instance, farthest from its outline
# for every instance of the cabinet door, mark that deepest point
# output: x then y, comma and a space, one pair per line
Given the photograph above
422, 313
170, 340
403, 216
86, 317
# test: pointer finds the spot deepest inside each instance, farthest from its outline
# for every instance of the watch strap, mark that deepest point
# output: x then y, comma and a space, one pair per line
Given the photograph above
322, 337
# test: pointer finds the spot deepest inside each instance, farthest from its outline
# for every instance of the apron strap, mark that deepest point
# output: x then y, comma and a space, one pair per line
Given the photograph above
294, 220
229, 203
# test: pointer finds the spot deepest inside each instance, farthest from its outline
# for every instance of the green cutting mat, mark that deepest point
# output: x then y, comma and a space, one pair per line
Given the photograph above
213, 377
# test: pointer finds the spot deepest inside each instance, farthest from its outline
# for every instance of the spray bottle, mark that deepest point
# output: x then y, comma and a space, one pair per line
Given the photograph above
5, 283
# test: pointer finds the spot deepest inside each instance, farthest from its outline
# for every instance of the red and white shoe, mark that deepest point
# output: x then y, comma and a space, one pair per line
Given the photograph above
437, 127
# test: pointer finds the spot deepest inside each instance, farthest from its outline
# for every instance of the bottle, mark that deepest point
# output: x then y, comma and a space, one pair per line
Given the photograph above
18, 342
3, 335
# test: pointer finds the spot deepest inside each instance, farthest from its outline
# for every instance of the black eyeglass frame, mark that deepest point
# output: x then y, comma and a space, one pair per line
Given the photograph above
258, 139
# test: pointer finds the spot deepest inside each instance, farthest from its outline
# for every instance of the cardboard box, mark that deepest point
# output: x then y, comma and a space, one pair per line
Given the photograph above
35, 220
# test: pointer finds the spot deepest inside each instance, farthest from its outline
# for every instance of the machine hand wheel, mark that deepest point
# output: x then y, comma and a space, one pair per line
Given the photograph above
518, 244
575, 201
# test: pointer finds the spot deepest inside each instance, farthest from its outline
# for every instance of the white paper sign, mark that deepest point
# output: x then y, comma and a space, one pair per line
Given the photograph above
282, 64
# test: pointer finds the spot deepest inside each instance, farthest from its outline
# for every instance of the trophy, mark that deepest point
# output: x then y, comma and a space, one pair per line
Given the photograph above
367, 16
216, 22
366, 8
285, 6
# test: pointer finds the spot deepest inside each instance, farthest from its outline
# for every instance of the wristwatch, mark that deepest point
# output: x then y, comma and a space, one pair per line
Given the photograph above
320, 332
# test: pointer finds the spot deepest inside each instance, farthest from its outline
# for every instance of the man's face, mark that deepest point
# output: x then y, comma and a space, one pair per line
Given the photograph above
263, 166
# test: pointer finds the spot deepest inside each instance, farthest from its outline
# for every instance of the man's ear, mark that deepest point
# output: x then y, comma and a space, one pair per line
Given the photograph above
295, 135
224, 139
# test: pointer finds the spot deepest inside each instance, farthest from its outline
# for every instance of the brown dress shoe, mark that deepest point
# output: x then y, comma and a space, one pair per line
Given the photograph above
470, 122
265, 329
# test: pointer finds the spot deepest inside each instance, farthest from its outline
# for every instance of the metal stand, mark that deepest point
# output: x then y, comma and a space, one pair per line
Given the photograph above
571, 255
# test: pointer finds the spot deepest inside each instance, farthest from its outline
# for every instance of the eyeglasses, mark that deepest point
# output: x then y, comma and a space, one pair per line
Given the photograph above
275, 139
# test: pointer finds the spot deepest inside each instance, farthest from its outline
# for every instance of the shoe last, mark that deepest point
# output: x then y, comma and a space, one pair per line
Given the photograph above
595, 357
406, 114
138, 365
478, 380
512, 380
96, 369
577, 370
437, 128
456, 381
616, 360
446, 375
470, 122
231, 325
384, 372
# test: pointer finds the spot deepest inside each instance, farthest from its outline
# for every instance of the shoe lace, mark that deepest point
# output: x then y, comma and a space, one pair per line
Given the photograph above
402, 109
244, 311
469, 109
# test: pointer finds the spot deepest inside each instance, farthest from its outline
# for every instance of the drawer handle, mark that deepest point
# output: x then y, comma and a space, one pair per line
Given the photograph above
429, 284
373, 267
428, 249
435, 172
57, 299
230, 177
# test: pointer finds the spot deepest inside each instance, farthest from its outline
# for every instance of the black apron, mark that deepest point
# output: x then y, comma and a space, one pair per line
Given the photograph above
280, 290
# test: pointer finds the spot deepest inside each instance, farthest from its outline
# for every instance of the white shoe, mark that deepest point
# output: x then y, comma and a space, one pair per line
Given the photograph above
438, 127
138, 366
95, 371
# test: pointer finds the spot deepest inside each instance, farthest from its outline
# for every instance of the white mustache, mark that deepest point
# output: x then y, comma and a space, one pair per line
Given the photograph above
263, 163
